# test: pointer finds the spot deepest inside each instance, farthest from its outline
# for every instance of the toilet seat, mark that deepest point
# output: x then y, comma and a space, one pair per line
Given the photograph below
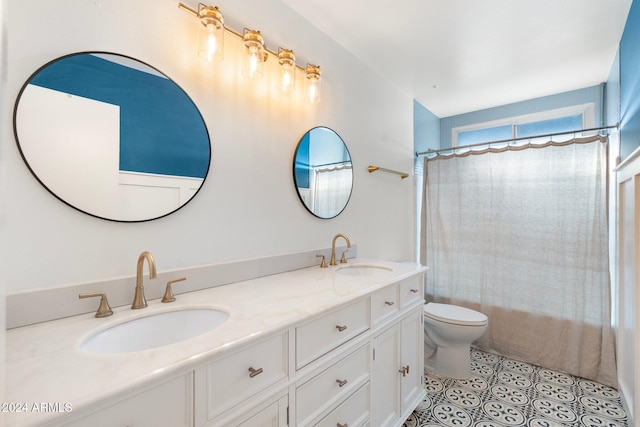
454, 314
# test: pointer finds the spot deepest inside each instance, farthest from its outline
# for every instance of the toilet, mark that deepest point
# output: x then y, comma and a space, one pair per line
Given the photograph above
449, 332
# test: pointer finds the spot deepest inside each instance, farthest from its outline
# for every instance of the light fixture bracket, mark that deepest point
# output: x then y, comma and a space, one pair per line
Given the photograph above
210, 15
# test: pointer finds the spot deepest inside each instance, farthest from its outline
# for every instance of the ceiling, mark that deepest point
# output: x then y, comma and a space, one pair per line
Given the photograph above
456, 56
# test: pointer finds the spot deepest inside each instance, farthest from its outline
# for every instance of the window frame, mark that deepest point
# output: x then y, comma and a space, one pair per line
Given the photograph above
587, 111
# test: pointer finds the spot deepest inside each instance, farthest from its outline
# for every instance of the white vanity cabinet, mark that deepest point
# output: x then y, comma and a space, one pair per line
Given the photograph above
356, 363
323, 334
379, 381
333, 360
238, 377
167, 404
273, 413
398, 361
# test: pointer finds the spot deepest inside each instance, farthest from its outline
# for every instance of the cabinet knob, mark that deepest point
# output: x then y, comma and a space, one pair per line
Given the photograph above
414, 291
253, 372
389, 303
341, 383
341, 328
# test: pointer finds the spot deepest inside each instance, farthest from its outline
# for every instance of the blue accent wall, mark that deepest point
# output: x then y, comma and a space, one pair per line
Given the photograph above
630, 83
612, 94
426, 133
587, 95
161, 130
302, 163
426, 128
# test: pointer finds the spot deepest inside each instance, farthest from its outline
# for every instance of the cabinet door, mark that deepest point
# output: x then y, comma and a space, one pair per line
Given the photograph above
384, 378
167, 404
412, 361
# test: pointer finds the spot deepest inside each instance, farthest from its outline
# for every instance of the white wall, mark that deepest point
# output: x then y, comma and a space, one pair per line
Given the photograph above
248, 206
4, 136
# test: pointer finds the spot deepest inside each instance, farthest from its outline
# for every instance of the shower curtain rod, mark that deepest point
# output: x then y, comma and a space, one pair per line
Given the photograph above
522, 138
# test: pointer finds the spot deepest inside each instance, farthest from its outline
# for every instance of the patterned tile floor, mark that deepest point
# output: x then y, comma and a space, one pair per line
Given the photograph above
504, 392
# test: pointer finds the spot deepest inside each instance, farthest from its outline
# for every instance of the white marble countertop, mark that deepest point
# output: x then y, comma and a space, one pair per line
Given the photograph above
44, 362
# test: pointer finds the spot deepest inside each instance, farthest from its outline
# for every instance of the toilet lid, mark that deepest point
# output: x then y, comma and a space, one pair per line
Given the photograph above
454, 314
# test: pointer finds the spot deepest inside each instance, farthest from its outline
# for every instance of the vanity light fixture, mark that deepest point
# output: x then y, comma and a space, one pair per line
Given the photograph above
287, 61
312, 83
211, 34
212, 44
255, 54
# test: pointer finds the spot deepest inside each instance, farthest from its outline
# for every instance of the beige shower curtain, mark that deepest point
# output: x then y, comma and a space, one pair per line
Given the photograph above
332, 188
520, 234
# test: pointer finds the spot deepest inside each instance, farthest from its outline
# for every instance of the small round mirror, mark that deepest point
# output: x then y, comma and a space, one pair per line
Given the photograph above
322, 172
112, 137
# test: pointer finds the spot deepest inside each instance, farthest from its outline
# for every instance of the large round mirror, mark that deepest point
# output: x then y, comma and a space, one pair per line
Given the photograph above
322, 172
111, 136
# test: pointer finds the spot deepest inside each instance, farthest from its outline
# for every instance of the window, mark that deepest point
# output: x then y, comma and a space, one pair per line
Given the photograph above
547, 122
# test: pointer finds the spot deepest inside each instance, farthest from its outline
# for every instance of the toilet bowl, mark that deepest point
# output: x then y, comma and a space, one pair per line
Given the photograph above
449, 332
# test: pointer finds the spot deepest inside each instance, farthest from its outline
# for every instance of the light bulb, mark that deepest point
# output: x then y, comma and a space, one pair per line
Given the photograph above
211, 42
312, 89
286, 59
255, 54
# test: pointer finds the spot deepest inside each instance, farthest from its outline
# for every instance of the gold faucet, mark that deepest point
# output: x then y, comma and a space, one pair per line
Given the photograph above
138, 300
333, 249
103, 310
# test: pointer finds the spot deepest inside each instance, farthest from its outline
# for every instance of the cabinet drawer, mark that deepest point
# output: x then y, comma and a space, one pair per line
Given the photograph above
319, 336
353, 412
385, 303
411, 290
333, 384
228, 381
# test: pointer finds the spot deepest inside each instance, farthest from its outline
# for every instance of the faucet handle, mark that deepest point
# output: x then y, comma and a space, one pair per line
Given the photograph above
343, 259
103, 310
168, 292
323, 264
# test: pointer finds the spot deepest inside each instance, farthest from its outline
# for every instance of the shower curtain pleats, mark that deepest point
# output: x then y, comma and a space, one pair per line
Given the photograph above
332, 187
521, 236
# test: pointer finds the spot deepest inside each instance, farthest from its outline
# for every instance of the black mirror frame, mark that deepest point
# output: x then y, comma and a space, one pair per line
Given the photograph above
295, 183
15, 132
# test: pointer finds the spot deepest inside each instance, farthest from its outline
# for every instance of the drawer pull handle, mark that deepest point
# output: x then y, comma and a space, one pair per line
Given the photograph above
253, 372
389, 303
342, 425
341, 328
414, 291
341, 383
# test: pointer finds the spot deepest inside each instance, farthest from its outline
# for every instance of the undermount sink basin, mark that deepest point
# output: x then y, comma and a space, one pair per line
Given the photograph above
153, 331
363, 269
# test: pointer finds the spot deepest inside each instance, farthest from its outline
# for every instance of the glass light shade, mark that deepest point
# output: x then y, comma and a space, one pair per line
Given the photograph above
287, 61
255, 55
312, 83
211, 37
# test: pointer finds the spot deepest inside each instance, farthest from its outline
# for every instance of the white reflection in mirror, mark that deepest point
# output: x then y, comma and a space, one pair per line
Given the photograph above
323, 172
